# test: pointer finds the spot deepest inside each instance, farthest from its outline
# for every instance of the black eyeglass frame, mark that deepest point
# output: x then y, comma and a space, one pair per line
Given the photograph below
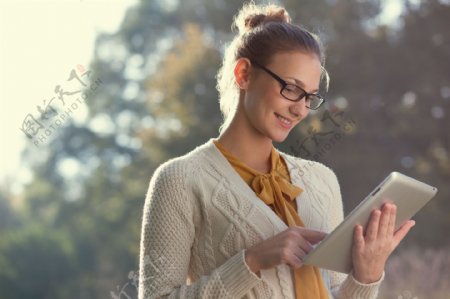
283, 83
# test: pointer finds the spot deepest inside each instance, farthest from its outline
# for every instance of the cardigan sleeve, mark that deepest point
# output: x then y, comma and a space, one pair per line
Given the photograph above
345, 286
167, 235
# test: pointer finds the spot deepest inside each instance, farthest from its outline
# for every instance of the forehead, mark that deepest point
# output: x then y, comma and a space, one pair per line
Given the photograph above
304, 67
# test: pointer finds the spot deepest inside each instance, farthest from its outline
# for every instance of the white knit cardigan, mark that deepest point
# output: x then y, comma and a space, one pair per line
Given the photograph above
199, 217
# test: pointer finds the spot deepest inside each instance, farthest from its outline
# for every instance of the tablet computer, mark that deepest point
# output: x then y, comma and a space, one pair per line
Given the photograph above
410, 195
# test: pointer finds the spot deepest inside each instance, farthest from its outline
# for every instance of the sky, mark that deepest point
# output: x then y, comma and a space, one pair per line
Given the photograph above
41, 41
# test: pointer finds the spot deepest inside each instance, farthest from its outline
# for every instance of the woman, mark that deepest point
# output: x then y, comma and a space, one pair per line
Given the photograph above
234, 217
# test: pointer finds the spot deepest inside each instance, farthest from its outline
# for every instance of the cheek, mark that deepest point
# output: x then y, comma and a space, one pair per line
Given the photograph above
269, 102
271, 96
262, 100
275, 100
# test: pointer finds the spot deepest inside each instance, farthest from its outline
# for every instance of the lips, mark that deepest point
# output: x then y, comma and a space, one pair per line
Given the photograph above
284, 117
283, 121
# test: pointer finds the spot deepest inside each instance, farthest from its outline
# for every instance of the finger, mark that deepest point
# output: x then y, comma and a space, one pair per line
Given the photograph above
392, 220
372, 226
358, 238
304, 245
384, 220
402, 231
298, 256
313, 236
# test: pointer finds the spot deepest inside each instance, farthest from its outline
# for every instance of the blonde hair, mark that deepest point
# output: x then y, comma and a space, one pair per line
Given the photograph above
263, 30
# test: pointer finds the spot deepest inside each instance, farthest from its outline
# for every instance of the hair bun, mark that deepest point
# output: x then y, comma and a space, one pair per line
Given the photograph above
252, 16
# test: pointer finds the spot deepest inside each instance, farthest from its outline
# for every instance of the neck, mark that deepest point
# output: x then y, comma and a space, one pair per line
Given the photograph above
247, 144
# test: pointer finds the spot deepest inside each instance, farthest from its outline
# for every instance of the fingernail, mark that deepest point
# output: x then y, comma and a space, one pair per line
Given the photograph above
413, 223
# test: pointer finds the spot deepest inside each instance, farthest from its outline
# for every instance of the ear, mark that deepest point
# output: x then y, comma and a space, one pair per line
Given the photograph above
242, 72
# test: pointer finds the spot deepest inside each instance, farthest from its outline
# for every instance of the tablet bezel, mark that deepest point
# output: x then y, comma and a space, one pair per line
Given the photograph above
409, 194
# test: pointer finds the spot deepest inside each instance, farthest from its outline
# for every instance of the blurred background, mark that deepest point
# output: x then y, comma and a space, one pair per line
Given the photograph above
97, 94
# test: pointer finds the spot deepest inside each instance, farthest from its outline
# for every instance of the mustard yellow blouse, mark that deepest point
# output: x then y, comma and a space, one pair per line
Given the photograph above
277, 191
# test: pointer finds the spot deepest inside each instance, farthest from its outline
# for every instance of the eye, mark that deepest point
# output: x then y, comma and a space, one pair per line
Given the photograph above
292, 89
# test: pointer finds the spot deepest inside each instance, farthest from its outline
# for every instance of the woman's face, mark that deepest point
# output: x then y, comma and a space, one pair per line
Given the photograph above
264, 105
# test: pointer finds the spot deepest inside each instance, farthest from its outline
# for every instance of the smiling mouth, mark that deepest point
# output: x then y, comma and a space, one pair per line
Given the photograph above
284, 120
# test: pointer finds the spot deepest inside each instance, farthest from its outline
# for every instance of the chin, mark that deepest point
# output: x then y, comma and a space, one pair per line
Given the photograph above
279, 137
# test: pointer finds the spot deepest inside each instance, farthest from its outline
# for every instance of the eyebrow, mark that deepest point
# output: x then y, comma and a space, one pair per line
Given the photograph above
301, 84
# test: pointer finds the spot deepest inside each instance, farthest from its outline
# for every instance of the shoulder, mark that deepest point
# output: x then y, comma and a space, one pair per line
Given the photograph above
169, 188
173, 171
178, 171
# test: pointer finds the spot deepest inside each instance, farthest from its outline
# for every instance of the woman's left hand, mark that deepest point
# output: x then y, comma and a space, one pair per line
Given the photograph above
372, 249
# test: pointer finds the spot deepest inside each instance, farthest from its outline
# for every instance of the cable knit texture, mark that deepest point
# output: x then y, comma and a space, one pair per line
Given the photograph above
200, 216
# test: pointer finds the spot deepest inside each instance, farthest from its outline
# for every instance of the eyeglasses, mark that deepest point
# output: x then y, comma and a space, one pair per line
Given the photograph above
294, 92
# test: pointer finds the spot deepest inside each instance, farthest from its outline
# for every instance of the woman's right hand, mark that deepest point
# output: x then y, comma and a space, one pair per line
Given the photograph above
288, 247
